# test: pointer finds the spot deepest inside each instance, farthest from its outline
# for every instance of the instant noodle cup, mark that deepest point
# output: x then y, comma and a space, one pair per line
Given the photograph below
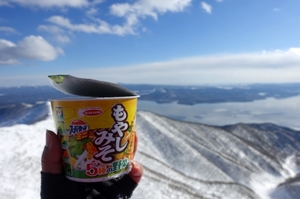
97, 136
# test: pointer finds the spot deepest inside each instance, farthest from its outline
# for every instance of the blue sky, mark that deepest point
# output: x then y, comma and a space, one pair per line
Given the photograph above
181, 42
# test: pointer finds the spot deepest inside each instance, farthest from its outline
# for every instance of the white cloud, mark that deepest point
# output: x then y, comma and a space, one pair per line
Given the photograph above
265, 67
47, 3
51, 29
5, 43
206, 7
62, 38
30, 48
152, 8
132, 14
5, 47
8, 30
60, 34
3, 3
98, 26
295, 51
92, 11
95, 2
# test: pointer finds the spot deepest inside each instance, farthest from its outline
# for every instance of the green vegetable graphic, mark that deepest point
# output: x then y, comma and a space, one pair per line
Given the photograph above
76, 147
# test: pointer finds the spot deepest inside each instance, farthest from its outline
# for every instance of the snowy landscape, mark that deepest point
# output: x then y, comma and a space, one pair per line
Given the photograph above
217, 83
182, 159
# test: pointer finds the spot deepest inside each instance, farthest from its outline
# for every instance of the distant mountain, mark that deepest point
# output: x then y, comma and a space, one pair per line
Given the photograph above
165, 93
29, 94
189, 160
16, 103
191, 95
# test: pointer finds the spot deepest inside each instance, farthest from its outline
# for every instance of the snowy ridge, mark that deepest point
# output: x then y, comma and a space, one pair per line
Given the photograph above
181, 160
199, 161
23, 113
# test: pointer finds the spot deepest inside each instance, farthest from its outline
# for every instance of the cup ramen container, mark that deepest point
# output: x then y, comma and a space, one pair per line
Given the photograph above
97, 136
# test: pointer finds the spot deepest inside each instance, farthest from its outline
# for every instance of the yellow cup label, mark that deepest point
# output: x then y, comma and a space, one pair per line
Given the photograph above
97, 137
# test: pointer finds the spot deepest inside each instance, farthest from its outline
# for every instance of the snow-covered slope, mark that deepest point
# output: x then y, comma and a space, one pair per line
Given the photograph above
181, 160
186, 160
20, 151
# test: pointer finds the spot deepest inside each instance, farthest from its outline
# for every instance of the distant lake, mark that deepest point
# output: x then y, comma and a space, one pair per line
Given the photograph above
282, 112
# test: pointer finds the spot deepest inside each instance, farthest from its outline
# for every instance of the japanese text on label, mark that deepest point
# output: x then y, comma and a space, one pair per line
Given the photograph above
109, 141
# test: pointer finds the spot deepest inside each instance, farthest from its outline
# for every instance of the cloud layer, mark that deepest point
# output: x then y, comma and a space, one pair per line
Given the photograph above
264, 67
280, 66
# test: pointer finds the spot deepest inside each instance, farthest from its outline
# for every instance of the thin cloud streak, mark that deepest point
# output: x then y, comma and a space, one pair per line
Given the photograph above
46, 3
60, 34
8, 30
205, 6
101, 27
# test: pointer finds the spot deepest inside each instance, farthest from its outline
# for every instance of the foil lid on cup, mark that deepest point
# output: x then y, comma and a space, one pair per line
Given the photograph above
88, 87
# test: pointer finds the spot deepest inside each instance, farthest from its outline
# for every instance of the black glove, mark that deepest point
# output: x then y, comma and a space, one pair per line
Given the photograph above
57, 186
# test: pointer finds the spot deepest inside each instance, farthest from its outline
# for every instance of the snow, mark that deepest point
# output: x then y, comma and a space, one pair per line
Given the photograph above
225, 166
21, 149
27, 105
181, 160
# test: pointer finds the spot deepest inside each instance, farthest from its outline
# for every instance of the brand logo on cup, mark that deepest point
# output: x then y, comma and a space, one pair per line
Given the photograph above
79, 129
90, 111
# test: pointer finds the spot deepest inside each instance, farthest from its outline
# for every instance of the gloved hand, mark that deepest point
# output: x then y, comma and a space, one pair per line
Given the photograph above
54, 185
